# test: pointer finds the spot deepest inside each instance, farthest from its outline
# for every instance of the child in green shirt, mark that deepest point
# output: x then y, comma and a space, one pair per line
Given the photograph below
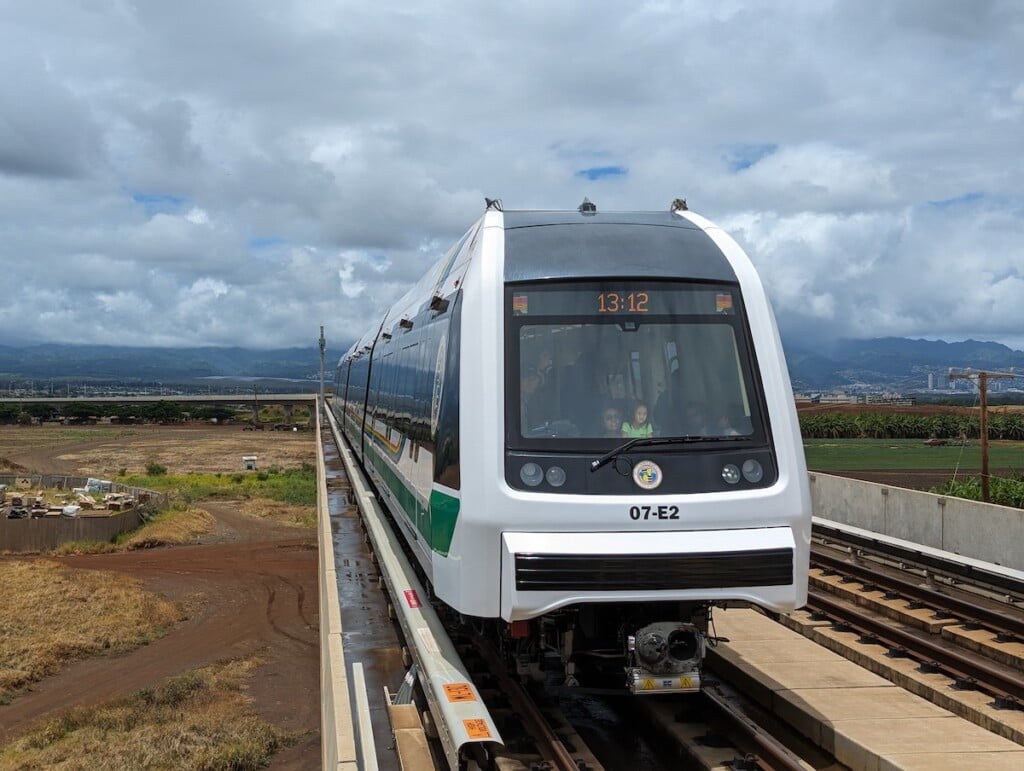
639, 427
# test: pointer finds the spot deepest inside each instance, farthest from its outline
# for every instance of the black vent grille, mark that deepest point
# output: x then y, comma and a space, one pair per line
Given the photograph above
611, 572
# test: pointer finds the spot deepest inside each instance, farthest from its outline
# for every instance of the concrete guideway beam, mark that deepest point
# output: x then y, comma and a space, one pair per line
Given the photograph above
461, 716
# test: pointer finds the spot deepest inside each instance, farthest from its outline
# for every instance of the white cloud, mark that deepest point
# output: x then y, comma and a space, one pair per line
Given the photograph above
198, 217
231, 174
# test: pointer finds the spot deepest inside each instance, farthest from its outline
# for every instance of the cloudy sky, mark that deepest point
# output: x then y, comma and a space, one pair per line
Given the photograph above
239, 173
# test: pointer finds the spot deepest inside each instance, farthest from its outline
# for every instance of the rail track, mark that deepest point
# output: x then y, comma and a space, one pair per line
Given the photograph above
908, 602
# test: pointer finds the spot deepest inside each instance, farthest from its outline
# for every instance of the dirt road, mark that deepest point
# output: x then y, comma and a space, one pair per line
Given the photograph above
251, 585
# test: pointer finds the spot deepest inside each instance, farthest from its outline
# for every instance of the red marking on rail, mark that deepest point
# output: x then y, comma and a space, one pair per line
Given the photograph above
411, 598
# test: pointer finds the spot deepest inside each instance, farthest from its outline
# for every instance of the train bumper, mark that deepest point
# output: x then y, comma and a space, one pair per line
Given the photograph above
541, 572
643, 683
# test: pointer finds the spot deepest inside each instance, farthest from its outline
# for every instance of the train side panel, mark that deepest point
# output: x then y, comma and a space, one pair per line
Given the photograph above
466, 573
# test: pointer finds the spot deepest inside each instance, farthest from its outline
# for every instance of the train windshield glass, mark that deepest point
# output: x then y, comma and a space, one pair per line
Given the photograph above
628, 360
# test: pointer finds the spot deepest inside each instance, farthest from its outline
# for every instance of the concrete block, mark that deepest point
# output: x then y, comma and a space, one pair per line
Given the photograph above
815, 711
953, 761
746, 624
984, 642
864, 743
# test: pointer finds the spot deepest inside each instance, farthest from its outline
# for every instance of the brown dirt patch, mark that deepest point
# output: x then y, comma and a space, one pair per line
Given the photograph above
182, 449
251, 585
923, 479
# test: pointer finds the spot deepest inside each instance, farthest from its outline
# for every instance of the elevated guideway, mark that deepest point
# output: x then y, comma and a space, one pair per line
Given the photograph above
360, 655
250, 400
212, 400
863, 720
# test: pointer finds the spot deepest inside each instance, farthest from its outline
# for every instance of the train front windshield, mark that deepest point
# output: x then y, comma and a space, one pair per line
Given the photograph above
621, 360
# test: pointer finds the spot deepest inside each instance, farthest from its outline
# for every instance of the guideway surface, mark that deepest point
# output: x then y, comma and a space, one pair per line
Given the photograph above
863, 720
368, 635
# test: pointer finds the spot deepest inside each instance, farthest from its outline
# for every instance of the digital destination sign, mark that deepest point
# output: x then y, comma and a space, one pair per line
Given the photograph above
635, 300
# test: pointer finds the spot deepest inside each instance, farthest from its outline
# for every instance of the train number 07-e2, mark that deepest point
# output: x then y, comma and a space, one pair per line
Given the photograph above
653, 512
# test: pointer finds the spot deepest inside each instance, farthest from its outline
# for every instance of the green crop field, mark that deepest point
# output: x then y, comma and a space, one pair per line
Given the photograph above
827, 455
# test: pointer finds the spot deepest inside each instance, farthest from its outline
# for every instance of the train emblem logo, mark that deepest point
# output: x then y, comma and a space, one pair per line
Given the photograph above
647, 474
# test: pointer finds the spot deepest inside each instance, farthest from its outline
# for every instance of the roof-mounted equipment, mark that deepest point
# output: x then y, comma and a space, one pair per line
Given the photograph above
678, 205
587, 208
438, 303
493, 203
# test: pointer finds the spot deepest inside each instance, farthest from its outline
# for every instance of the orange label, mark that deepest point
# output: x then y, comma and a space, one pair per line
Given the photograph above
459, 692
477, 729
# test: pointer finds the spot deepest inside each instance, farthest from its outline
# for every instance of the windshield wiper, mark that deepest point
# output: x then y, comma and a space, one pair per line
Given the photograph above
649, 441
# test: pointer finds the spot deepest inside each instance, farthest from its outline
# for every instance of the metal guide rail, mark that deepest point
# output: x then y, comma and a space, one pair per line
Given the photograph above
461, 717
1000, 577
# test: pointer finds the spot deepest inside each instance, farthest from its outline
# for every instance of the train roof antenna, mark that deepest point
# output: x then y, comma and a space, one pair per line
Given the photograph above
587, 207
678, 204
493, 203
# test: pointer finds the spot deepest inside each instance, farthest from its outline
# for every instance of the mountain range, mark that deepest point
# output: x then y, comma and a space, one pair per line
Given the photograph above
895, 364
881, 364
105, 364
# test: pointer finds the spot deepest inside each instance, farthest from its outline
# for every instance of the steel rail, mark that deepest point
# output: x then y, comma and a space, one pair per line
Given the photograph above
547, 740
1002, 579
968, 671
995, 620
769, 752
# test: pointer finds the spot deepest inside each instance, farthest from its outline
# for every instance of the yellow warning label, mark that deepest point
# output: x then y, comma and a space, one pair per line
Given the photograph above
459, 692
477, 729
647, 685
685, 682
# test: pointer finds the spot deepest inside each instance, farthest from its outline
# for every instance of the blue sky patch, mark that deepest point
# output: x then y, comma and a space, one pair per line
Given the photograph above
264, 242
740, 157
960, 200
602, 172
159, 203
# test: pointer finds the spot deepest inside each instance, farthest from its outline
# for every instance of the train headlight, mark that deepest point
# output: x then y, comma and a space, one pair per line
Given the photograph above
531, 474
652, 649
752, 471
666, 647
731, 474
555, 476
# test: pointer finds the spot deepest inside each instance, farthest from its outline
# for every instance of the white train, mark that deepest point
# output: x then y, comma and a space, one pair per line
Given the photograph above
583, 424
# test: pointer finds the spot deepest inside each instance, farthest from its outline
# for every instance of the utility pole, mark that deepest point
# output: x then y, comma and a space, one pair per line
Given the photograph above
323, 348
982, 378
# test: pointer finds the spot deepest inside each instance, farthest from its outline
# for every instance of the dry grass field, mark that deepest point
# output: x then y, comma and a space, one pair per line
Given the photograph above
202, 719
98, 613
201, 655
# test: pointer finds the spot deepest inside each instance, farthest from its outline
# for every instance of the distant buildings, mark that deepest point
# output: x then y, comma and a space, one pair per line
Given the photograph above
886, 399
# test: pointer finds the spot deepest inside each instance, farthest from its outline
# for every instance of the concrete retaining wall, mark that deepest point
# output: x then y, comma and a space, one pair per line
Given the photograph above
981, 531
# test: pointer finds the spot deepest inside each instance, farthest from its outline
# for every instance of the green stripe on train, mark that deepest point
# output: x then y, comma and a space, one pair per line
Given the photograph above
436, 525
444, 513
